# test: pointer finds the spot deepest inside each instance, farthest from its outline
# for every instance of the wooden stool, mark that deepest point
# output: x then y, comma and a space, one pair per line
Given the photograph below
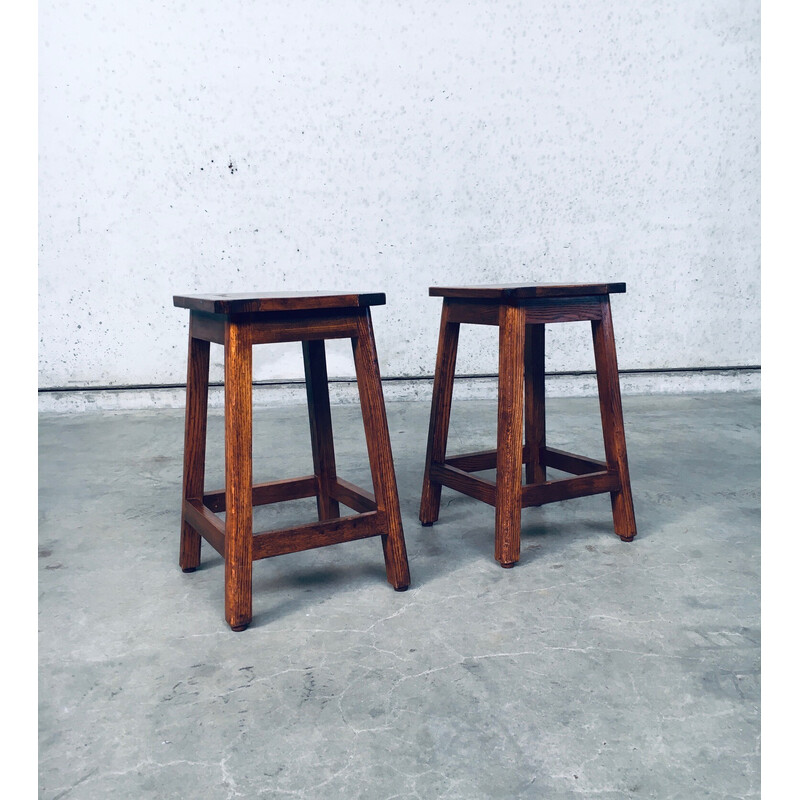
238, 321
521, 313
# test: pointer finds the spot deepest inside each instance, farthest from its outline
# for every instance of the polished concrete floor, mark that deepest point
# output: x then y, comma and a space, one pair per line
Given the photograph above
594, 668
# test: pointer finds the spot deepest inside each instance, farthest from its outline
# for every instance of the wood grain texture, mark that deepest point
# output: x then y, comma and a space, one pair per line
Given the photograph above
194, 447
353, 496
462, 481
300, 326
207, 523
613, 426
379, 450
317, 534
262, 302
439, 424
319, 418
510, 414
561, 309
270, 492
521, 291
570, 462
477, 461
568, 488
238, 475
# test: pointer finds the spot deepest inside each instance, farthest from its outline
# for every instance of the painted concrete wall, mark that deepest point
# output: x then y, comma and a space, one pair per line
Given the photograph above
388, 146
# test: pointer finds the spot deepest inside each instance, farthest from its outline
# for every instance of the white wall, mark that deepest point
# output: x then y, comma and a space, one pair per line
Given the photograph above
388, 146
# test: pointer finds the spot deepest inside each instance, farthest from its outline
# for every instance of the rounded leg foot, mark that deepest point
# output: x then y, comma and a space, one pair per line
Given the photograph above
240, 628
627, 538
508, 565
401, 588
188, 569
425, 524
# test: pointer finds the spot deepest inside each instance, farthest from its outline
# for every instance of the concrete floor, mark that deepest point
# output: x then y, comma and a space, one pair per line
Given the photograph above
593, 668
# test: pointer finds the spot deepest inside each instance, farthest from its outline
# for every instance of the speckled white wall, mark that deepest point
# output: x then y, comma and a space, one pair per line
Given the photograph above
356, 145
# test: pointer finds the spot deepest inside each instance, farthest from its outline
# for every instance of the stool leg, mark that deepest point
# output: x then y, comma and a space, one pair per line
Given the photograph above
238, 475
605, 354
535, 471
440, 416
194, 448
379, 449
510, 408
319, 417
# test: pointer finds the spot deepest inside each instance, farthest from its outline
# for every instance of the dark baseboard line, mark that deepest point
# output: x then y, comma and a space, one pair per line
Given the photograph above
389, 379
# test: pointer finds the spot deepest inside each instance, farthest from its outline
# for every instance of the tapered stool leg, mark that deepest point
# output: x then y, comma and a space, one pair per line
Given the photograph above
510, 412
194, 450
535, 471
238, 475
319, 417
379, 450
611, 416
439, 425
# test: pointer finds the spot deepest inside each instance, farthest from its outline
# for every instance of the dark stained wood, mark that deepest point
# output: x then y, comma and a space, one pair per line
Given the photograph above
210, 327
461, 481
238, 322
510, 414
535, 471
521, 312
262, 302
354, 497
379, 449
300, 326
439, 424
566, 488
521, 291
474, 462
238, 475
317, 534
559, 309
207, 523
569, 462
319, 417
271, 492
194, 449
605, 354
474, 312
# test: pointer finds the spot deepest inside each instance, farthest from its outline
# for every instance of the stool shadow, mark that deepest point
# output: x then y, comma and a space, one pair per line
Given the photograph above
303, 584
